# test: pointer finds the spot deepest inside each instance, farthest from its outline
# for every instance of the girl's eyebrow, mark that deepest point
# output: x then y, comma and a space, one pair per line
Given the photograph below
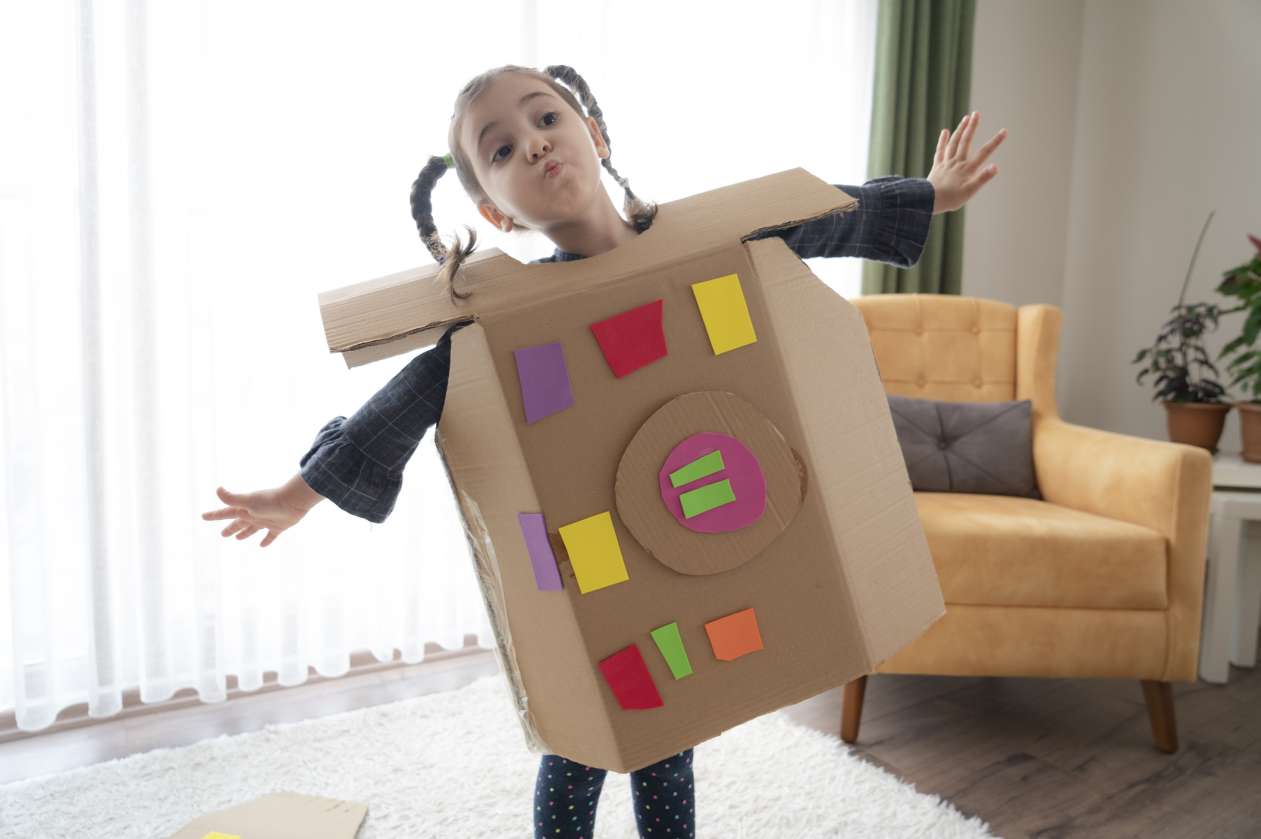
493, 123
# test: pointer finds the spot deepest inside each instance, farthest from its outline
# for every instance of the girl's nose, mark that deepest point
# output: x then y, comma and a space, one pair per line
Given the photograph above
538, 148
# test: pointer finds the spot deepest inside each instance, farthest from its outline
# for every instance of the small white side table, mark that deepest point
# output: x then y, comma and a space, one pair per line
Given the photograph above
1232, 593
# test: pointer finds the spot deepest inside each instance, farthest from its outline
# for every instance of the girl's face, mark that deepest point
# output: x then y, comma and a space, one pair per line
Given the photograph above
536, 158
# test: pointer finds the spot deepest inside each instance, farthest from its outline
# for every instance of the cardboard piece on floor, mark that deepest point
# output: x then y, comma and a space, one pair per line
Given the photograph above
837, 567
281, 815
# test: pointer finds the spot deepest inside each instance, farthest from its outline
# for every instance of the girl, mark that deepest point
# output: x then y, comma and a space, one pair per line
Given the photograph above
527, 147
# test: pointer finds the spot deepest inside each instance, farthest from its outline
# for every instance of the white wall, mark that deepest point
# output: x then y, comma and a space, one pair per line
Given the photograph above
1128, 121
1024, 78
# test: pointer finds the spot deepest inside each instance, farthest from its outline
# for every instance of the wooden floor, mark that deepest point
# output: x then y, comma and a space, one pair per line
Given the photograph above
1066, 758
1033, 757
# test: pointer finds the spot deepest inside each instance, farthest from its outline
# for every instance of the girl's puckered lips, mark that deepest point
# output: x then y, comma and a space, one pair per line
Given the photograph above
552, 168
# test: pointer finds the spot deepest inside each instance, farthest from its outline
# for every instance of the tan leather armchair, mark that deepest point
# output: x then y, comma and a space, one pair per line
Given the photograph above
1104, 577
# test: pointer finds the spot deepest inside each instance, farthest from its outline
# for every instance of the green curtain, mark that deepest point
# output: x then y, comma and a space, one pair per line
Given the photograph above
923, 74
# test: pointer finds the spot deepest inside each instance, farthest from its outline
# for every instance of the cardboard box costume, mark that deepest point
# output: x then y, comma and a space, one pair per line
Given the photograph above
677, 471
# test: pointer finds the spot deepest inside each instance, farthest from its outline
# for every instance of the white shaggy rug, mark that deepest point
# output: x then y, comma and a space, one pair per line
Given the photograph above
455, 765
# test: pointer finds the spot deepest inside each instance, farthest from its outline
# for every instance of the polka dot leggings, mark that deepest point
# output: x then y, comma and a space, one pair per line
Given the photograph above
566, 794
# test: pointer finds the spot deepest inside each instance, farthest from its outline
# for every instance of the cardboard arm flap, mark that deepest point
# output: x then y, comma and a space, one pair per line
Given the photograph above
378, 318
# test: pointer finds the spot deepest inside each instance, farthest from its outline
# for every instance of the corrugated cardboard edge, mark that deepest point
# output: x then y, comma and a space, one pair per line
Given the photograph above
484, 450
407, 310
805, 314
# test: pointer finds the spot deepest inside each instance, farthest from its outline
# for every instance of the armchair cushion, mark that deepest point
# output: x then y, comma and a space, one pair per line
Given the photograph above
994, 550
975, 447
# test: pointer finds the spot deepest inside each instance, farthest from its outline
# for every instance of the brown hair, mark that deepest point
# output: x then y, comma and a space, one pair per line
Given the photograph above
639, 211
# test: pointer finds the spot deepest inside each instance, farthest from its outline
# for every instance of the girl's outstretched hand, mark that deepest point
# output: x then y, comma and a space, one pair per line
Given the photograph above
956, 176
272, 509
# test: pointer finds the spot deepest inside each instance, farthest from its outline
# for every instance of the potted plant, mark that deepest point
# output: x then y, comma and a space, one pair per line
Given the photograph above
1195, 407
1244, 283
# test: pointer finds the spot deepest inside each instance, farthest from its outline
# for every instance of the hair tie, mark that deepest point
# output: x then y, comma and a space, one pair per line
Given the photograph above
449, 160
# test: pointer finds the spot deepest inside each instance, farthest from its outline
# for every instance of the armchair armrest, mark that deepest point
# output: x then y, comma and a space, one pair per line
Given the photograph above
1157, 484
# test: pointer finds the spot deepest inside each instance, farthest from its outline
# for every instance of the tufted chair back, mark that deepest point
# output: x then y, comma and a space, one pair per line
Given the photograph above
964, 349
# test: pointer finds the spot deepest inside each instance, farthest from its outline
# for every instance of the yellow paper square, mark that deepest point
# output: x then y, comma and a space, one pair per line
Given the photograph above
726, 315
594, 552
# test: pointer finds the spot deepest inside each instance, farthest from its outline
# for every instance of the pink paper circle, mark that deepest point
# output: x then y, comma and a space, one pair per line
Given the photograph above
740, 467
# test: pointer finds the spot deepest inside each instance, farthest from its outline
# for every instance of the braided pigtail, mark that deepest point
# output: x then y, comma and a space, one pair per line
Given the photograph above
640, 212
422, 211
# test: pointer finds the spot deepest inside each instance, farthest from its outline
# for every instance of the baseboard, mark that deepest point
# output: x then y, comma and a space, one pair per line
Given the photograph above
362, 663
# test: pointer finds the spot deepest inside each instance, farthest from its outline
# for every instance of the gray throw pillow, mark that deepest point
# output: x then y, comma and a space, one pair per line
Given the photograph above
983, 447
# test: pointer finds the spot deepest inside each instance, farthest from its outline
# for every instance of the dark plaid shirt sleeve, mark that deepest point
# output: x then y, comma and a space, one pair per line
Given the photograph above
357, 462
889, 225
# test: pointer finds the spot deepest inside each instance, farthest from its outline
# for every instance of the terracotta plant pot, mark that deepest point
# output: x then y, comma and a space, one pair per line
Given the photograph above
1250, 430
1200, 423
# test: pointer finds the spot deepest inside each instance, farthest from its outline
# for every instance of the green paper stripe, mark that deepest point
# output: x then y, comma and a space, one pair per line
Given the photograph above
706, 498
670, 643
697, 469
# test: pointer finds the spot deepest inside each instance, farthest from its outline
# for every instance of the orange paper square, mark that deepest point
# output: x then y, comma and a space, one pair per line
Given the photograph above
734, 635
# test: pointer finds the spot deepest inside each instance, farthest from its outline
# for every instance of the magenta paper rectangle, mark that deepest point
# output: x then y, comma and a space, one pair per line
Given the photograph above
546, 575
544, 380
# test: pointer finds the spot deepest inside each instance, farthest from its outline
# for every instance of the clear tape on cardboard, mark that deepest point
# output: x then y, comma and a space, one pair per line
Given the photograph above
484, 565
483, 551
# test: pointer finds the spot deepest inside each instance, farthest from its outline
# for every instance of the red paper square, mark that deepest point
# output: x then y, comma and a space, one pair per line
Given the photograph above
630, 680
632, 339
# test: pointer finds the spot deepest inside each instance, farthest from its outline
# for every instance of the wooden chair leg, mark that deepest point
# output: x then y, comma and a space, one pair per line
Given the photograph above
852, 709
1159, 697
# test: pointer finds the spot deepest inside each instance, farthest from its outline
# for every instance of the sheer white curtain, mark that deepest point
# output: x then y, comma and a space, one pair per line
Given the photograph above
178, 182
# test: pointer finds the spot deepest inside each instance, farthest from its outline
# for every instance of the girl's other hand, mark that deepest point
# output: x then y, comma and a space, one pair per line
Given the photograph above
956, 176
275, 509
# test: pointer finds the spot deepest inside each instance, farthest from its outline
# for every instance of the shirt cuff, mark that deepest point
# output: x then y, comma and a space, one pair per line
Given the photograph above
907, 205
336, 469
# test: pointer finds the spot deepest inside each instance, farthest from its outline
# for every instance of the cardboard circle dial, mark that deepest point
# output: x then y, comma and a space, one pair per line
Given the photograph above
694, 444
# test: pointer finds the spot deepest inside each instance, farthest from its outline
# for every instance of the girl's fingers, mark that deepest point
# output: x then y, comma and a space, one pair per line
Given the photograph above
224, 513
989, 147
232, 498
967, 140
248, 532
268, 539
952, 147
234, 527
941, 144
985, 176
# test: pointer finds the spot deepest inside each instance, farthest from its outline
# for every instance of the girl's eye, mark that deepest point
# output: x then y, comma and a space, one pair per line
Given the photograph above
495, 157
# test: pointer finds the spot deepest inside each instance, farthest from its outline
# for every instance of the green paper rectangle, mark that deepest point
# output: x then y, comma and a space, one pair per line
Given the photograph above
670, 643
697, 469
706, 498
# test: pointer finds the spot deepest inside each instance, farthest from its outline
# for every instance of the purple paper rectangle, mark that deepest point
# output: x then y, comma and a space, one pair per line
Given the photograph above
544, 380
546, 575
